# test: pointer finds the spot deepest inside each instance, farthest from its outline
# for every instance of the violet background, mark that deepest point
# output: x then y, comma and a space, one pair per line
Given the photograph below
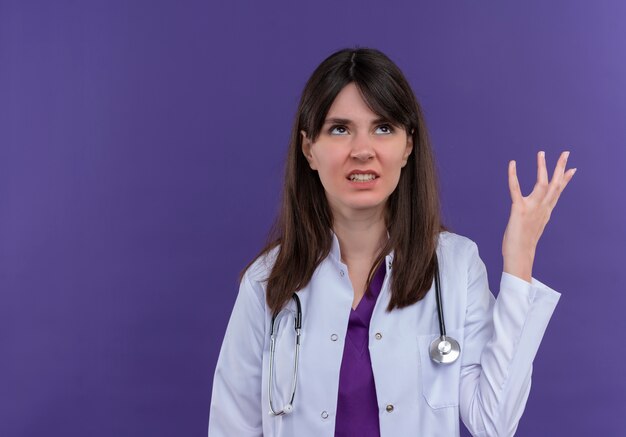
141, 153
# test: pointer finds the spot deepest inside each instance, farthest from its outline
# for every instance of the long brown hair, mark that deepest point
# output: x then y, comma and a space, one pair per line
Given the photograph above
302, 232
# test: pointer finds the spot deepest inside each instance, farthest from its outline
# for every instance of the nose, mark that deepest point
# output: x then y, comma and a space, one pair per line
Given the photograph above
362, 148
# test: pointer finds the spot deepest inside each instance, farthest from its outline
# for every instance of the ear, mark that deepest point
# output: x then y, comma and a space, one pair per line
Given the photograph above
306, 150
407, 150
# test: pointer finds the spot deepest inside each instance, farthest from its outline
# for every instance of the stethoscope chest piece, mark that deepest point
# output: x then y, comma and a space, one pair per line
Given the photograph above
444, 350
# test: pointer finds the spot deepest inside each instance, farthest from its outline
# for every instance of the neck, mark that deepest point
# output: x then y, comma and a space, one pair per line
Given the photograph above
360, 239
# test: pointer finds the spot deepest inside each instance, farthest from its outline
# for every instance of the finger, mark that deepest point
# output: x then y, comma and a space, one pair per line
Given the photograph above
559, 169
516, 194
569, 174
559, 180
542, 172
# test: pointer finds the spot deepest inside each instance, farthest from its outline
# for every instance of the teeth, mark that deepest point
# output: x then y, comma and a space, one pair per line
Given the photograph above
362, 177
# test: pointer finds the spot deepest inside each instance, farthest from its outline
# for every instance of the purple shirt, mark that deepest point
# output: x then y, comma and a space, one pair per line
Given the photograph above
357, 406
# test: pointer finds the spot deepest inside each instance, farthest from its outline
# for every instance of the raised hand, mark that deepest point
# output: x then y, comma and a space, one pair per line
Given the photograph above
530, 214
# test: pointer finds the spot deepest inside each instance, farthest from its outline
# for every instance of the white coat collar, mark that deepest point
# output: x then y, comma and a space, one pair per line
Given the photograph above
335, 252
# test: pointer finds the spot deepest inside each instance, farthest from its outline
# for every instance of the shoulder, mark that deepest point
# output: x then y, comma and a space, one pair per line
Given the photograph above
458, 250
258, 272
253, 285
456, 243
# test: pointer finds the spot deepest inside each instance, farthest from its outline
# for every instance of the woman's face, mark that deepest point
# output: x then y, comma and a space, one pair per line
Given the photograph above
357, 155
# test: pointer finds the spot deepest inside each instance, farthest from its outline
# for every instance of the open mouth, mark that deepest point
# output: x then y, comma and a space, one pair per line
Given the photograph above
362, 177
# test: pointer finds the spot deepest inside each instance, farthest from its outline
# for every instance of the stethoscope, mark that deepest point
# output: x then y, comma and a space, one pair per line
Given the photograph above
443, 349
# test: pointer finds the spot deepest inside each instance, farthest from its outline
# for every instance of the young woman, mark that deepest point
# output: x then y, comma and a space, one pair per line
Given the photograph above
364, 315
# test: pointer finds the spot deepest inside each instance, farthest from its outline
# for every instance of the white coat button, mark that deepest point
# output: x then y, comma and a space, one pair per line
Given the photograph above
341, 273
324, 415
334, 337
389, 408
378, 336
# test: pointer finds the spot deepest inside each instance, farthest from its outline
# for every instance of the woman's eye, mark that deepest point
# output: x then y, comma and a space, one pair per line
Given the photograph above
338, 129
341, 130
387, 128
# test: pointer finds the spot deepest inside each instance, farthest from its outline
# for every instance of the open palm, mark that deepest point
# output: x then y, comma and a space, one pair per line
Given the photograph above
530, 214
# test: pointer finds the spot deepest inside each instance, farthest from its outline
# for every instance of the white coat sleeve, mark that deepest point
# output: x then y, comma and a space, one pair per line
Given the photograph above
501, 338
236, 399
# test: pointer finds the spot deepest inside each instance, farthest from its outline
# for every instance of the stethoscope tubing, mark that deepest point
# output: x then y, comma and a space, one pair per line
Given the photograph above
443, 350
294, 380
442, 323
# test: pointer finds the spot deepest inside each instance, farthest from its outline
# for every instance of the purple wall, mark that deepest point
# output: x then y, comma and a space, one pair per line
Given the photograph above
141, 151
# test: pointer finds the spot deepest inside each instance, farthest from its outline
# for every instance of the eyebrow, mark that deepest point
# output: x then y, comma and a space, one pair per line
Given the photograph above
336, 120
